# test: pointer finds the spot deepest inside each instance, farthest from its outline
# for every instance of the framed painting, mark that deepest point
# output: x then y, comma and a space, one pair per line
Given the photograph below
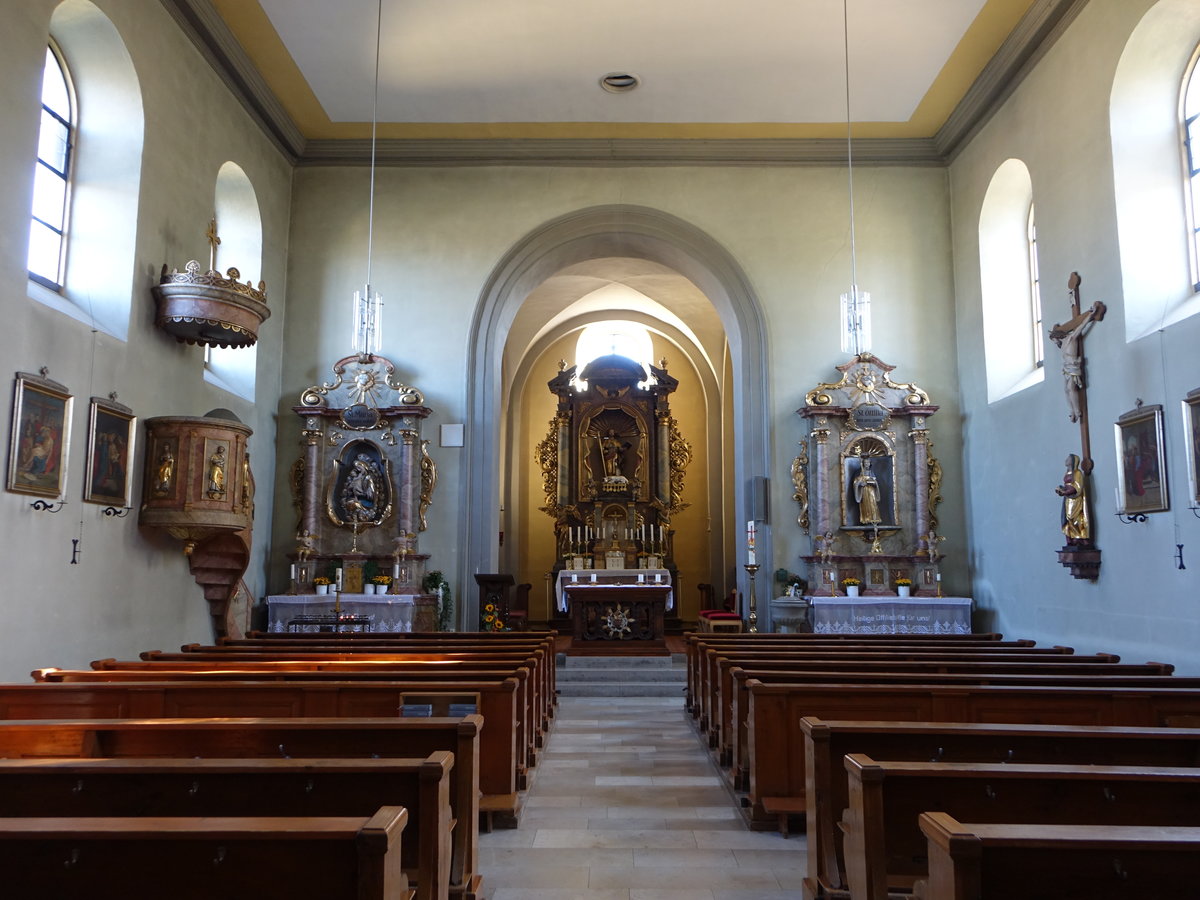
109, 449
41, 430
1141, 462
1191, 432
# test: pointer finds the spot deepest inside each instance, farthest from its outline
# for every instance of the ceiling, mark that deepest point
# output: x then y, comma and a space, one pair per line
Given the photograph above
489, 74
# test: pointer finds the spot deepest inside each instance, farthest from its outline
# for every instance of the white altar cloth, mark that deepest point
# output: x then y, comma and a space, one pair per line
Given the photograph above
388, 612
611, 576
891, 615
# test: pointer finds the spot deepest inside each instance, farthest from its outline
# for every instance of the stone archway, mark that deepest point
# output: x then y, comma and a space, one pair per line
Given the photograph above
603, 231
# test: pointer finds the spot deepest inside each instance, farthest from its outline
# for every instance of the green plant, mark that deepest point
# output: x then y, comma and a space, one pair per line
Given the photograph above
435, 583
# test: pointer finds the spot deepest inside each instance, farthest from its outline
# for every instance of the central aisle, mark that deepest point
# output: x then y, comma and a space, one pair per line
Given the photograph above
625, 805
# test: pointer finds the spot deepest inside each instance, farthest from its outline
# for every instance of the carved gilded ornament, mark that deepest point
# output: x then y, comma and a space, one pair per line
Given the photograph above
935, 486
681, 456
429, 478
800, 483
867, 380
546, 454
366, 381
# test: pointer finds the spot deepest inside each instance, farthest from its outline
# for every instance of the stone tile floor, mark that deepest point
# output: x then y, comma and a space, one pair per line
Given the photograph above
626, 805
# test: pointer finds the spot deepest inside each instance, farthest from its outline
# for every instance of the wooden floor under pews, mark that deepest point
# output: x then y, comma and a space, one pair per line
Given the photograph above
956, 767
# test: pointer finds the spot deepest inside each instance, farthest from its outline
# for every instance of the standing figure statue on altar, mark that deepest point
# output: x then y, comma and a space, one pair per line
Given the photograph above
612, 451
866, 494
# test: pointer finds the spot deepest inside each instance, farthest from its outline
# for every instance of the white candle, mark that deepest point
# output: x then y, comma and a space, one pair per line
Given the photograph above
750, 557
641, 579
396, 572
939, 576
593, 578
293, 571
339, 579
657, 577
750, 534
574, 578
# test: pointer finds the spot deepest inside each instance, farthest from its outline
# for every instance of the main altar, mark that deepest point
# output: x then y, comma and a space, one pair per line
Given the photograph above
869, 485
613, 464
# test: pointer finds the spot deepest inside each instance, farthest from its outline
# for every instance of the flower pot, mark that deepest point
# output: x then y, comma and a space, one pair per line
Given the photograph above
852, 590
903, 590
368, 588
321, 588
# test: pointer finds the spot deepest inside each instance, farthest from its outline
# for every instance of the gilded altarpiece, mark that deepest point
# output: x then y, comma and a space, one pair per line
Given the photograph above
613, 467
364, 480
868, 483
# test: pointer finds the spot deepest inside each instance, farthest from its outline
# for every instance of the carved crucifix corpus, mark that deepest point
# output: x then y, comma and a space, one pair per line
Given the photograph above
1069, 337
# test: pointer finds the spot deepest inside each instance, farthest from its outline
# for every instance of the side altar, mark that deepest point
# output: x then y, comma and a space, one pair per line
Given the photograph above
869, 485
362, 486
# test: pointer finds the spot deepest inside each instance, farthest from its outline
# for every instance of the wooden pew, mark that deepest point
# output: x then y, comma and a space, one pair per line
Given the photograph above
885, 847
726, 694
276, 738
349, 857
1050, 862
826, 743
250, 787
983, 677
501, 767
776, 742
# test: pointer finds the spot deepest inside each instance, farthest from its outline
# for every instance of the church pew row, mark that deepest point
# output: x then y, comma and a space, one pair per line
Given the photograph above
539, 663
506, 745
532, 702
775, 757
505, 642
250, 787
828, 742
969, 861
739, 746
242, 739
724, 694
500, 764
334, 858
694, 640
885, 847
706, 655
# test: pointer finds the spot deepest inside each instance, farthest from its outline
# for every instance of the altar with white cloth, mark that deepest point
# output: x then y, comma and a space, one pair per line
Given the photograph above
612, 576
891, 615
386, 612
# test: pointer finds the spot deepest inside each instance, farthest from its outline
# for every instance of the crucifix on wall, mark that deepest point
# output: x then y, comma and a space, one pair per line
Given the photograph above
1080, 554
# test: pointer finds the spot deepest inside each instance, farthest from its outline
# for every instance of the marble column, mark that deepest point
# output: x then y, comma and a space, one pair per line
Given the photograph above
311, 487
407, 490
820, 484
920, 477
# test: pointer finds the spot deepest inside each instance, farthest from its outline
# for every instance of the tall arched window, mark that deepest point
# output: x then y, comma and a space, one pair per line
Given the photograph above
52, 175
1035, 291
1191, 146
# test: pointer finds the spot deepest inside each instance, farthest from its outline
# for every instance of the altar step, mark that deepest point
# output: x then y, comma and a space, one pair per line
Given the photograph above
621, 676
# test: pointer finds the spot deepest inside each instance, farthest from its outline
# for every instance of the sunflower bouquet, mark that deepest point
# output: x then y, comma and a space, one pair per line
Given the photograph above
490, 616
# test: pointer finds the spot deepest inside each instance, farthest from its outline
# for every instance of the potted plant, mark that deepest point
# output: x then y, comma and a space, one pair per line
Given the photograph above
903, 586
382, 583
321, 583
851, 585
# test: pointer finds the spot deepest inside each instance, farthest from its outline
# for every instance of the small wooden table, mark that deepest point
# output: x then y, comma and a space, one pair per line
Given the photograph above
626, 614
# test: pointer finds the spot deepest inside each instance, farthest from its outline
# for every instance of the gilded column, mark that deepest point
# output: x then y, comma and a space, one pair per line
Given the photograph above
920, 477
407, 490
663, 452
564, 461
310, 491
821, 467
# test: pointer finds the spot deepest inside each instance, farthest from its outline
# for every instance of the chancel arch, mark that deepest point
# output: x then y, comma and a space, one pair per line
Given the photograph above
600, 233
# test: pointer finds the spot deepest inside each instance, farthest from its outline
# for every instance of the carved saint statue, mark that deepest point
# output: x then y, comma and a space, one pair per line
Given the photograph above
866, 494
612, 451
165, 473
362, 489
1076, 523
216, 473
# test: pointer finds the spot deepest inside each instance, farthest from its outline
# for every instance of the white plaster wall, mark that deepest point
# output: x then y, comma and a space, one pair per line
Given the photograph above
131, 590
1142, 606
439, 233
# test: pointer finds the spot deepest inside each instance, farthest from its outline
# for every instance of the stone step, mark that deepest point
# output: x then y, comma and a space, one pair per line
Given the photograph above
679, 676
620, 689
621, 676
676, 660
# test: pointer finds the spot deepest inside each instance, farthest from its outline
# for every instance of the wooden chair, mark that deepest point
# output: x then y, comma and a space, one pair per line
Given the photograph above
712, 621
517, 614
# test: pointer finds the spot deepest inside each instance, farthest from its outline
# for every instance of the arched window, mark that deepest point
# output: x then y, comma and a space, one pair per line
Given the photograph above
1008, 271
1035, 291
239, 225
52, 175
92, 279
1191, 146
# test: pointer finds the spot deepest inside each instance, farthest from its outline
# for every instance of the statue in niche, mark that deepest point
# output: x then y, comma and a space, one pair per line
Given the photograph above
612, 452
166, 471
216, 473
866, 494
1076, 523
361, 492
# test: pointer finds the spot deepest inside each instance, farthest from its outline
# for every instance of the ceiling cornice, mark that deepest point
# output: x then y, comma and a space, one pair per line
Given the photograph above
1036, 32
